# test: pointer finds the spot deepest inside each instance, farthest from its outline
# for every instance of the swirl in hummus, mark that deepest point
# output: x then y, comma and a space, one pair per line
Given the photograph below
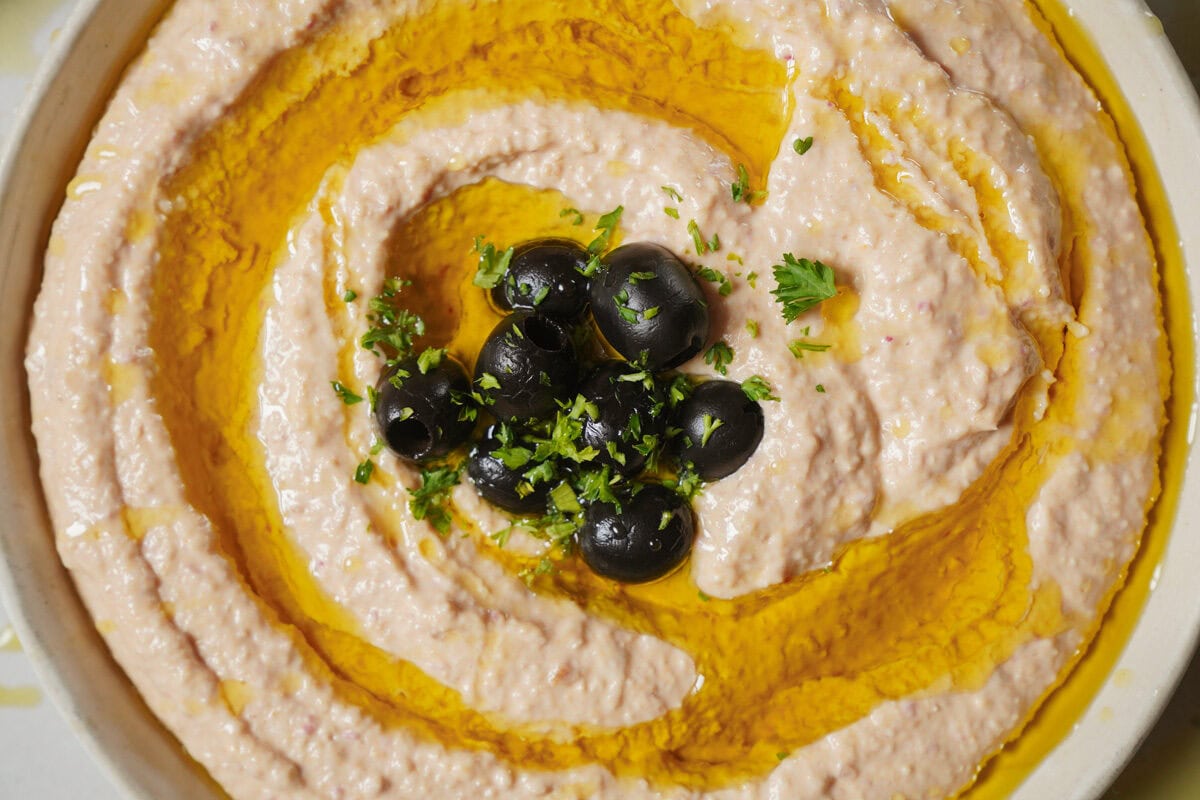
943, 505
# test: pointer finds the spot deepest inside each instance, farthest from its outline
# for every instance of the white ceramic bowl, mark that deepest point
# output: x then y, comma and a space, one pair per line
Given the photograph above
90, 689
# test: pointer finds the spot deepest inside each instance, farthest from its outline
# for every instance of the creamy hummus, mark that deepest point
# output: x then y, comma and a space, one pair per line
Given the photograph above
946, 498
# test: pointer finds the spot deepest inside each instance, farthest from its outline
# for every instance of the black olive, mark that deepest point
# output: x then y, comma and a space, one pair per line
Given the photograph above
546, 276
526, 363
649, 306
416, 412
631, 421
498, 484
720, 429
650, 536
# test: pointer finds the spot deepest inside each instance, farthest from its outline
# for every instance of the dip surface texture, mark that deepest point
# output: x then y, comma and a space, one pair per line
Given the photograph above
950, 488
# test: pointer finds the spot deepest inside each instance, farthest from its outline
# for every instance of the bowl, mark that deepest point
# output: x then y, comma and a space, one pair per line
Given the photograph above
143, 759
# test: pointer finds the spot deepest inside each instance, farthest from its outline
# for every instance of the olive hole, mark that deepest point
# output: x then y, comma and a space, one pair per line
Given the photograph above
409, 436
545, 335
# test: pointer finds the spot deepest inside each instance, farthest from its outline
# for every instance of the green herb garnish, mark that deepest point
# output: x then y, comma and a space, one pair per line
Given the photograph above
566, 212
799, 347
363, 472
430, 357
740, 189
801, 285
348, 397
711, 424
671, 212
719, 356
802, 146
752, 328
724, 287
756, 388
698, 241
821, 388
350, 296
391, 326
606, 226
492, 263
673, 194
430, 499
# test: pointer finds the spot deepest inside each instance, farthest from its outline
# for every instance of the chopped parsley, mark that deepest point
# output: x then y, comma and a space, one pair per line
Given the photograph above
799, 347
565, 500
821, 388
711, 424
430, 357
430, 499
493, 263
363, 472
637, 277
372, 398
803, 145
567, 212
752, 279
724, 287
671, 212
391, 326
672, 193
701, 244
488, 381
752, 328
605, 226
350, 296
801, 285
756, 388
719, 356
740, 189
704, 598
348, 397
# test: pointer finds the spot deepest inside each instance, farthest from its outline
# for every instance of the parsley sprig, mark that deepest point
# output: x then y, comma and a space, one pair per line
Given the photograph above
392, 327
431, 499
801, 285
493, 263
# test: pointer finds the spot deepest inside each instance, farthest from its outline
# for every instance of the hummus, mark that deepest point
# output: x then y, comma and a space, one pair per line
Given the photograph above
946, 498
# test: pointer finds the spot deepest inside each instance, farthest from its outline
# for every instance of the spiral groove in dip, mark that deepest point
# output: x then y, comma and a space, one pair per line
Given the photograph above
877, 601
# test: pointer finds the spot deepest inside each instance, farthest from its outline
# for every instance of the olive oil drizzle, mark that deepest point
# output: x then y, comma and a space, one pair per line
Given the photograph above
946, 597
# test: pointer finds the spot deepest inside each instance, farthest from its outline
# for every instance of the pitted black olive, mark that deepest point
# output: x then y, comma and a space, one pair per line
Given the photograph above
649, 306
720, 429
649, 537
501, 484
546, 276
631, 424
416, 412
526, 363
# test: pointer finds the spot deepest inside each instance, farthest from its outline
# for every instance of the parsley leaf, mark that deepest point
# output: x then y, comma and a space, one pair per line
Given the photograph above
350, 296
391, 326
363, 472
672, 193
752, 328
740, 189
430, 358
711, 424
492, 263
698, 241
821, 388
606, 225
348, 397
801, 285
566, 212
429, 500
799, 347
719, 357
756, 388
711, 275
802, 146
671, 212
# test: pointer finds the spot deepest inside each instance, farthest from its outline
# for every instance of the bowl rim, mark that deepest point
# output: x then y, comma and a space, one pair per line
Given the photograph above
1112, 751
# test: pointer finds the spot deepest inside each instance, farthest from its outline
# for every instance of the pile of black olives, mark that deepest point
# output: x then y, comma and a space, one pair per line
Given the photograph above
615, 444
